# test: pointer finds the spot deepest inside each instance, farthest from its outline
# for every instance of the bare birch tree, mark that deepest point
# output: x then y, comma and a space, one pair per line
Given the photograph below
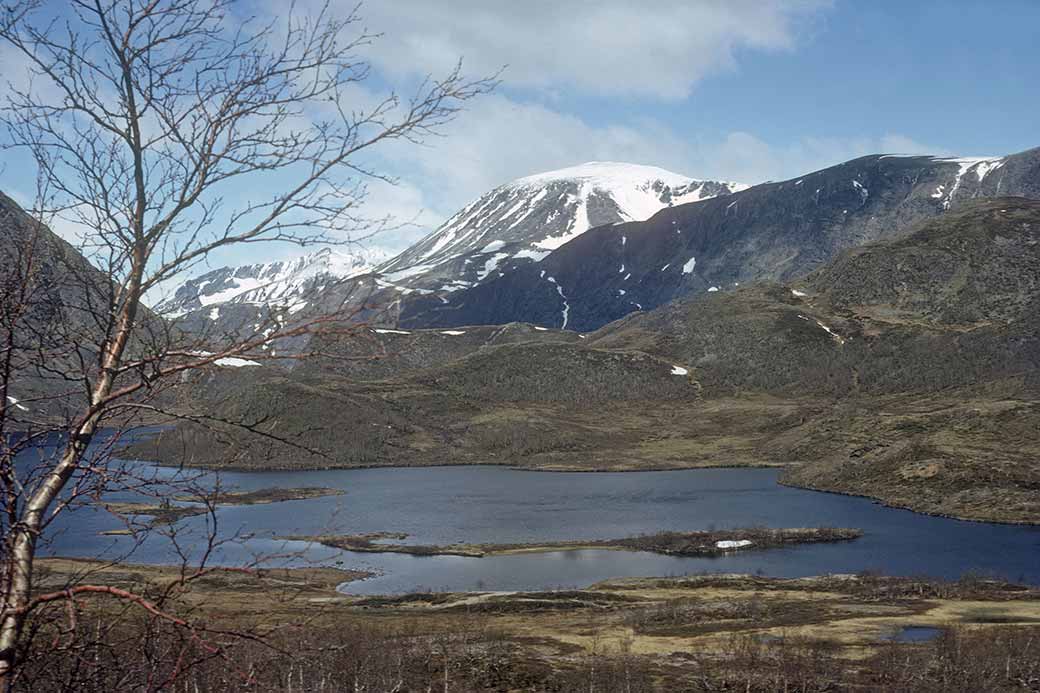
156, 125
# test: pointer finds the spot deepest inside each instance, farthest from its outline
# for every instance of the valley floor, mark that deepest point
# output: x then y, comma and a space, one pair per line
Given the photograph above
690, 633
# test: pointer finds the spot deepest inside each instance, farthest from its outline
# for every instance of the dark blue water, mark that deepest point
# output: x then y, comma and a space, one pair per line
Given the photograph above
914, 634
442, 505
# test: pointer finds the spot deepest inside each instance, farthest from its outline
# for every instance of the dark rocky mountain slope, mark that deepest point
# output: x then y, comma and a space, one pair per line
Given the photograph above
773, 231
55, 303
525, 251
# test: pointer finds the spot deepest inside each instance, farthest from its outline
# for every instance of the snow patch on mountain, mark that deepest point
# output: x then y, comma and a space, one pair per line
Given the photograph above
980, 166
284, 284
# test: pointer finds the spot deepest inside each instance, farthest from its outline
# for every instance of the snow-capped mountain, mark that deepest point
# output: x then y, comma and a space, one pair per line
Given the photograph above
526, 250
515, 224
775, 231
523, 221
288, 284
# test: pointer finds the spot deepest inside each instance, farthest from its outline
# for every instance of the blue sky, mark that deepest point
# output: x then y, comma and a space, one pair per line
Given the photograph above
958, 74
746, 90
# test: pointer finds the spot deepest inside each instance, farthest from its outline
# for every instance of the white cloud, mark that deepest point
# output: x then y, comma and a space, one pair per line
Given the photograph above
408, 213
617, 48
611, 47
498, 140
743, 156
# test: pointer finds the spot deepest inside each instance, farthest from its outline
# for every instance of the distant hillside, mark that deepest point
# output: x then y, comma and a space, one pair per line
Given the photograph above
953, 303
890, 371
66, 300
578, 248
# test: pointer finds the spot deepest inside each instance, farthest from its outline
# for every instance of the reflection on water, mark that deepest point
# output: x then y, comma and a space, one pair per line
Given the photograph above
444, 505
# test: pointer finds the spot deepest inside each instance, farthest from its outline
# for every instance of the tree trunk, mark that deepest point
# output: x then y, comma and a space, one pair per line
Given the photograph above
23, 550
24, 535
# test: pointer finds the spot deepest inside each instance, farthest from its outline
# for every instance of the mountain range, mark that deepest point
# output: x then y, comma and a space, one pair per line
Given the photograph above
772, 231
580, 247
516, 224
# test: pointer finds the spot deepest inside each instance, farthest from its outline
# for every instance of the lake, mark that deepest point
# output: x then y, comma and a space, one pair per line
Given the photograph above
444, 505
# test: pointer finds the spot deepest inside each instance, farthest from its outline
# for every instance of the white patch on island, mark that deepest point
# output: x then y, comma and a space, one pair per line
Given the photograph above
798, 293
690, 264
732, 544
712, 289
453, 333
679, 370
381, 330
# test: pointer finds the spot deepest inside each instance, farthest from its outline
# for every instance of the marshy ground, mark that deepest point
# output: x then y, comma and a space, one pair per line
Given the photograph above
706, 632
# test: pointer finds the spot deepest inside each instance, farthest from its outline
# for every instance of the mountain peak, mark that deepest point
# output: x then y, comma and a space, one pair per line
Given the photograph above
525, 219
607, 174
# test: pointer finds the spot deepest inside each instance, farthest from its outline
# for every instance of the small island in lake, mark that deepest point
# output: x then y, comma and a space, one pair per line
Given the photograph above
167, 513
704, 543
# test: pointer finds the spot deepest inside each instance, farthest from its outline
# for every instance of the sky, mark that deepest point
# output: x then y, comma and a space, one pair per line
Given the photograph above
743, 90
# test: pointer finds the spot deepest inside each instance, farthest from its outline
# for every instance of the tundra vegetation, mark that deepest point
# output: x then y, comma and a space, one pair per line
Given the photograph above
695, 633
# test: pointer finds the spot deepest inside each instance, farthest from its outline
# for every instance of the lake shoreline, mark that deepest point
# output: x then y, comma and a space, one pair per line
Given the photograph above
242, 469
613, 469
